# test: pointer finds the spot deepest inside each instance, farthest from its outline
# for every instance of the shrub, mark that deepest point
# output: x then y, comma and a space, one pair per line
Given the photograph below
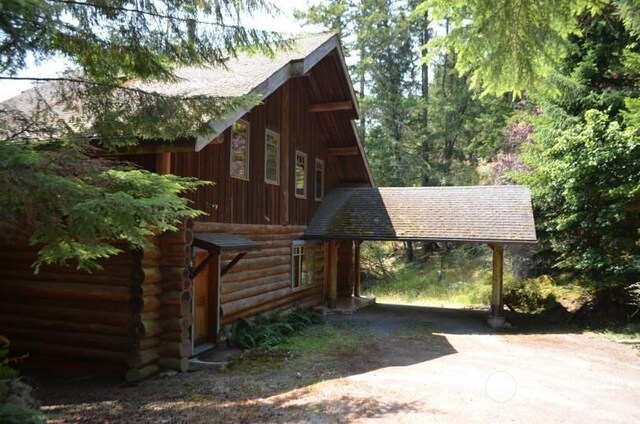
16, 404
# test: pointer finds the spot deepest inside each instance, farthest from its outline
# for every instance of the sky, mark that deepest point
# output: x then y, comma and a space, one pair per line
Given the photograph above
52, 68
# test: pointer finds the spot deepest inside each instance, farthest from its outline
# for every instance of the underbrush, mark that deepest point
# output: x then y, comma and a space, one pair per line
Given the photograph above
460, 277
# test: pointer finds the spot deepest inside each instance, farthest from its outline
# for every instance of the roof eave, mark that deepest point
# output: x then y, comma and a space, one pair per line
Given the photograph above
290, 70
417, 239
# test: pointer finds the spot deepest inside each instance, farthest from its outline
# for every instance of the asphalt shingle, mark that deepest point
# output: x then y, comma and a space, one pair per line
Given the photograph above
478, 213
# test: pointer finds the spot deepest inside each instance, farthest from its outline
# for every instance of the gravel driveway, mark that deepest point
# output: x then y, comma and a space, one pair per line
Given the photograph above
408, 364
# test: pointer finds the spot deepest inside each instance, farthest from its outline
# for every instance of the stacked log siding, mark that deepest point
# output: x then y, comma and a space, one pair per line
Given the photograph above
133, 314
261, 281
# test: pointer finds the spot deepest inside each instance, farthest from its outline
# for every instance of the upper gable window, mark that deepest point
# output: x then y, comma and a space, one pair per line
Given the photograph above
240, 150
301, 175
272, 157
319, 179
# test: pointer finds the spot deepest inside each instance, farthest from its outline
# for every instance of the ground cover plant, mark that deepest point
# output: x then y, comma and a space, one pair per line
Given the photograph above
267, 331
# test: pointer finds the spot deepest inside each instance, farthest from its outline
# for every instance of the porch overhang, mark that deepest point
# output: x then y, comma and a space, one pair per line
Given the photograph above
481, 214
215, 243
496, 215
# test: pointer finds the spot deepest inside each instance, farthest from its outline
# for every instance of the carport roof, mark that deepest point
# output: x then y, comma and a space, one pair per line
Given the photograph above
492, 214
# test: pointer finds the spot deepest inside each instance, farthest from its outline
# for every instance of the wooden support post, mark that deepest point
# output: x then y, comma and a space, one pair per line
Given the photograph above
332, 273
214, 297
285, 155
163, 163
356, 269
496, 319
204, 264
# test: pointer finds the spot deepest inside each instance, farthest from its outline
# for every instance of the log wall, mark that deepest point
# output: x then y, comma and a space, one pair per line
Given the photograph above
130, 318
261, 281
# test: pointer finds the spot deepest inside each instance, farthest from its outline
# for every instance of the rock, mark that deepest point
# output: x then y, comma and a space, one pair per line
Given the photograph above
166, 374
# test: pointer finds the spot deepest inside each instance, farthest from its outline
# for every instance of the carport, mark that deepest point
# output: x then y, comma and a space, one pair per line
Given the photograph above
495, 215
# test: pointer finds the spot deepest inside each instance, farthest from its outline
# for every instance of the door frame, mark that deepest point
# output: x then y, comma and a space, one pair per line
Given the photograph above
213, 304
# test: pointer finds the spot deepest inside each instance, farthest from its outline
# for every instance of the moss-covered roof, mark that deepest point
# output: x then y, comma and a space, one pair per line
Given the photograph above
501, 214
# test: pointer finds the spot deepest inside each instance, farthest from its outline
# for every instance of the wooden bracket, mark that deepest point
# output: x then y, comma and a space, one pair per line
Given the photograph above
232, 263
344, 151
330, 107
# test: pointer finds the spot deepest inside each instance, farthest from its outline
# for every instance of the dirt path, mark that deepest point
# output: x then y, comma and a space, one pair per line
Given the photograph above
387, 364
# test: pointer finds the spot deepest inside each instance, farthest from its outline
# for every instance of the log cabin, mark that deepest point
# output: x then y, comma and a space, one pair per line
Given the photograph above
272, 165
293, 200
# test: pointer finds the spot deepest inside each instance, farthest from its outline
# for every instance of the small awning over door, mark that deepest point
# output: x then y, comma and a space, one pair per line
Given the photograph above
216, 242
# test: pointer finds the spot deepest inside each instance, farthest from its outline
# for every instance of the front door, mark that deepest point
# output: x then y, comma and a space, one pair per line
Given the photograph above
205, 303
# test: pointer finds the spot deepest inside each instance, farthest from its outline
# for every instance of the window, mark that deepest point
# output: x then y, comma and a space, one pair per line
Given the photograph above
302, 264
301, 175
319, 179
240, 150
272, 157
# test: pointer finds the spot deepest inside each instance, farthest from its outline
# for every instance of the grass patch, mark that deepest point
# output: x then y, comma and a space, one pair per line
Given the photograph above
312, 343
323, 339
629, 332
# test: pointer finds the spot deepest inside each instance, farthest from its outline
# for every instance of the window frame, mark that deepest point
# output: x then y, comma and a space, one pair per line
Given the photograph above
295, 175
315, 180
306, 248
248, 151
266, 138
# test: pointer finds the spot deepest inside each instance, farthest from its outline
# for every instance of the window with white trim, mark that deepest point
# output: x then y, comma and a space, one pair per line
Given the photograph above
272, 157
301, 175
319, 179
239, 163
302, 264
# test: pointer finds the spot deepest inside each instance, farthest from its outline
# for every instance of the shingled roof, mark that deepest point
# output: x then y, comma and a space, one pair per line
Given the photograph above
247, 74
492, 214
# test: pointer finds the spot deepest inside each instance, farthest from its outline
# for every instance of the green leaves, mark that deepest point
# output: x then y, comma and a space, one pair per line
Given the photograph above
510, 46
78, 210
586, 187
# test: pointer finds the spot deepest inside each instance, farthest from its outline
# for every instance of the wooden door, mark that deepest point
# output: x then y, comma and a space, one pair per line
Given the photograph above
205, 302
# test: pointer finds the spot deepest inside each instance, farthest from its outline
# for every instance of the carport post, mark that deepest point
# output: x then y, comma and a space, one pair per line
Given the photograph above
356, 269
496, 319
331, 272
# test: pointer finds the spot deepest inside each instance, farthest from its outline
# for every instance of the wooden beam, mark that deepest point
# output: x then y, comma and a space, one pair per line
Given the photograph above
344, 151
214, 298
203, 264
356, 270
330, 107
231, 263
285, 155
331, 272
496, 292
163, 163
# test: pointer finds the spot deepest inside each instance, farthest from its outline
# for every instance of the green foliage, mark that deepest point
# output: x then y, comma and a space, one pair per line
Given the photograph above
508, 46
76, 208
15, 414
9, 412
586, 186
460, 277
106, 40
268, 331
